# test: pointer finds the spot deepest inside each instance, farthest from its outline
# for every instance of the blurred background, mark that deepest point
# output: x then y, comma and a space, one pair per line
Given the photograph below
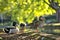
26, 11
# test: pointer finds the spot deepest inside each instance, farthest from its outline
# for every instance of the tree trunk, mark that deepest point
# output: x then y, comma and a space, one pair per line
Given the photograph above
58, 15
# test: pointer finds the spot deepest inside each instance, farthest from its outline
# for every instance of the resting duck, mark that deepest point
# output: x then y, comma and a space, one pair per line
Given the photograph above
13, 29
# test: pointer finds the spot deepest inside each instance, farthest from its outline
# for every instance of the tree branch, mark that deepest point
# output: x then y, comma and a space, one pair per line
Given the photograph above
52, 4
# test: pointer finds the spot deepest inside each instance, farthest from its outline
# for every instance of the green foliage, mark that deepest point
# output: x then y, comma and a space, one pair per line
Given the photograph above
25, 10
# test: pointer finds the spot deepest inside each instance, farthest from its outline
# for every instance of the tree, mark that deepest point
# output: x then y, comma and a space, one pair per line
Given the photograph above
27, 10
55, 4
